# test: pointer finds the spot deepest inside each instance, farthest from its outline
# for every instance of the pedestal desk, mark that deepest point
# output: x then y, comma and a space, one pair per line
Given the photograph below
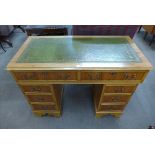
113, 65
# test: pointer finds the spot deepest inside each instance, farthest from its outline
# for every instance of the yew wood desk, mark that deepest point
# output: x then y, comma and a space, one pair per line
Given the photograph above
114, 65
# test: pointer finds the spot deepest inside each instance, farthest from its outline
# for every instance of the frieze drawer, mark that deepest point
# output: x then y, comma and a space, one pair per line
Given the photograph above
123, 75
57, 75
126, 75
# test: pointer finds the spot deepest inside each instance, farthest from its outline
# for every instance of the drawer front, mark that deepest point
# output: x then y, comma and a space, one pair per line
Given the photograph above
47, 113
35, 88
126, 75
115, 98
123, 75
111, 107
61, 75
119, 89
40, 98
44, 107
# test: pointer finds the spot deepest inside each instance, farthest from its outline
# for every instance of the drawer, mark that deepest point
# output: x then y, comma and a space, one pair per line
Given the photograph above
36, 88
111, 107
115, 98
119, 89
47, 113
125, 75
43, 107
61, 75
40, 98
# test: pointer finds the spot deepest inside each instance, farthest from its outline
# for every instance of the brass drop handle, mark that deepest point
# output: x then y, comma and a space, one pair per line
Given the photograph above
113, 74
123, 90
129, 77
119, 90
98, 76
29, 76
66, 76
40, 99
90, 77
95, 76
133, 76
126, 76
26, 77
115, 99
44, 107
45, 75
45, 114
36, 89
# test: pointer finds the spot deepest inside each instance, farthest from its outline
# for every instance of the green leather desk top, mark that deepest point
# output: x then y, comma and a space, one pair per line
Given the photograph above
70, 50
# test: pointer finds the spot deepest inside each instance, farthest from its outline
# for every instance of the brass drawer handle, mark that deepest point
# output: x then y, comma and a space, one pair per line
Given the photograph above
126, 76
40, 99
134, 76
95, 76
28, 76
113, 74
115, 99
130, 77
90, 77
45, 75
67, 76
44, 107
64, 76
36, 89
119, 90
45, 114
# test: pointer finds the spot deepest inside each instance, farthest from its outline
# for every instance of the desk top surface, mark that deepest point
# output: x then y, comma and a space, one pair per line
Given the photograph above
85, 52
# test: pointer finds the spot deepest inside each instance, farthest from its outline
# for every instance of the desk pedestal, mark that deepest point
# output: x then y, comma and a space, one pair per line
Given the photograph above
112, 98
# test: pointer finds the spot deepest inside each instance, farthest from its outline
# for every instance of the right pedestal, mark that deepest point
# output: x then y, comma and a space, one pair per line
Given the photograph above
112, 98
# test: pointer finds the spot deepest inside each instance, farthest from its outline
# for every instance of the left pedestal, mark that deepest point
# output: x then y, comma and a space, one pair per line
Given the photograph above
44, 98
